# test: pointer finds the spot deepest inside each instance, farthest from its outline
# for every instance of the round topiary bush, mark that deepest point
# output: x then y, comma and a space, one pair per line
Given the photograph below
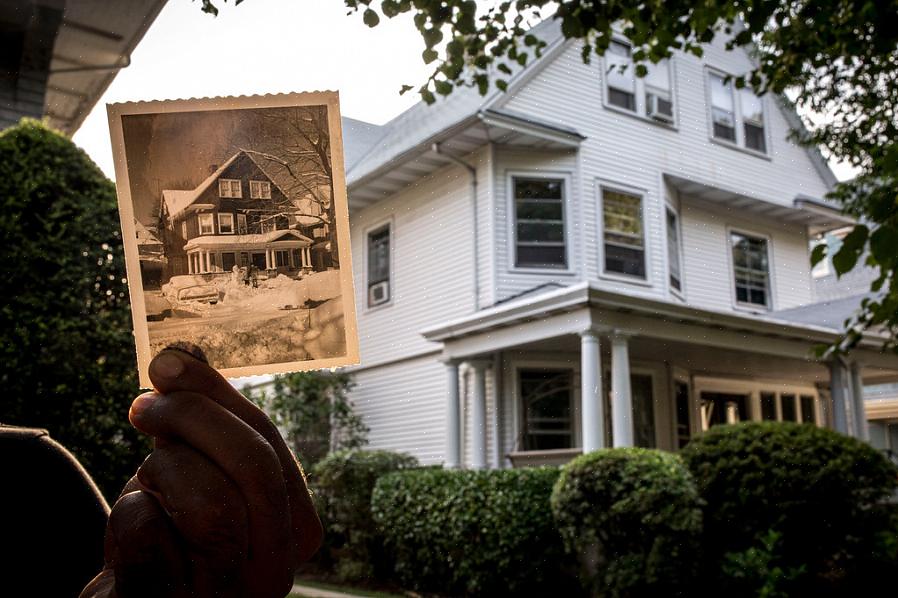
631, 517
473, 533
341, 486
792, 509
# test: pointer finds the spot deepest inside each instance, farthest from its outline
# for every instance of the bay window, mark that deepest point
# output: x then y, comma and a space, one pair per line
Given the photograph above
673, 251
623, 235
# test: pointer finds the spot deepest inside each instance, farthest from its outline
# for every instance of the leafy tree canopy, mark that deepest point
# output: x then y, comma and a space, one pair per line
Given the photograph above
837, 58
67, 359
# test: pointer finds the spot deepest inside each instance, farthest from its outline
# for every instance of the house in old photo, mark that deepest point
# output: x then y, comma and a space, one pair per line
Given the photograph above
593, 259
241, 215
151, 252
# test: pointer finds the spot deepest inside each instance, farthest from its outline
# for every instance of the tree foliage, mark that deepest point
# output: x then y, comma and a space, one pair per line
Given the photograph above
67, 360
314, 413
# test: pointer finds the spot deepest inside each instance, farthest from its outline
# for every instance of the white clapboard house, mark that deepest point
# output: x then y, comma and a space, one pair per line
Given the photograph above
591, 260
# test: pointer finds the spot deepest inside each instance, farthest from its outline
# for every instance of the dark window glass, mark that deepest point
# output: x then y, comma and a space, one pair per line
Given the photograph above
722, 408
673, 250
787, 404
624, 99
754, 137
547, 397
681, 396
379, 265
723, 131
228, 261
643, 410
768, 406
808, 415
750, 269
539, 223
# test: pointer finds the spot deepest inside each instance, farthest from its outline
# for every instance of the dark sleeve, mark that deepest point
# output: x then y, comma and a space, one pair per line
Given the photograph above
52, 517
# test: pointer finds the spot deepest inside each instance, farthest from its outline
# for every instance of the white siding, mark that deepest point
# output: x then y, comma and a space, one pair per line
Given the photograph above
432, 268
707, 268
404, 405
630, 151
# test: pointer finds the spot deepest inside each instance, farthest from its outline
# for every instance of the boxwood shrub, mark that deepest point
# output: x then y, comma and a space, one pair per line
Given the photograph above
793, 509
486, 533
631, 518
341, 486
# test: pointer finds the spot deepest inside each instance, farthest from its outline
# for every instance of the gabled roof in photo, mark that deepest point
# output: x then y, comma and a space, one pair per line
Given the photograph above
248, 240
177, 200
144, 235
378, 146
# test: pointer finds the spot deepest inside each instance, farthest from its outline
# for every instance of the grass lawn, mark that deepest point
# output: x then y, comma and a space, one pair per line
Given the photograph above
336, 588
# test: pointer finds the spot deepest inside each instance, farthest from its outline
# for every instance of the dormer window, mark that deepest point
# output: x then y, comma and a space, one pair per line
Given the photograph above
259, 190
648, 96
229, 188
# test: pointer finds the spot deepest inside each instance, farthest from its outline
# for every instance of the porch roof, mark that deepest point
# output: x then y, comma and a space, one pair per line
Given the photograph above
575, 308
819, 215
288, 238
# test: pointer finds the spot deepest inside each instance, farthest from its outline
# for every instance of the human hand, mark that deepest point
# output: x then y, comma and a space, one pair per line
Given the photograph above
219, 508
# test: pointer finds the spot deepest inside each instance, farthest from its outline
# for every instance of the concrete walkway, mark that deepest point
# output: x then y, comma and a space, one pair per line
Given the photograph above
313, 592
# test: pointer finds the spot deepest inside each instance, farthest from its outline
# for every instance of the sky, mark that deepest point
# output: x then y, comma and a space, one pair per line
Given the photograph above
270, 46
265, 46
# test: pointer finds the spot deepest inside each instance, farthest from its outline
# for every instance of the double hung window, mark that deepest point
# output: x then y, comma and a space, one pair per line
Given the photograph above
539, 223
225, 223
673, 251
751, 270
259, 190
379, 291
206, 224
230, 188
649, 96
624, 238
736, 118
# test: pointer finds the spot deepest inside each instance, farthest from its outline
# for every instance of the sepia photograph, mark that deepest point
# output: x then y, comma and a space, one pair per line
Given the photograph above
234, 218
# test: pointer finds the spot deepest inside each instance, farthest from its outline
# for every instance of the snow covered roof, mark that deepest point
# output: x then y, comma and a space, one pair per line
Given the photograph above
247, 240
144, 235
176, 201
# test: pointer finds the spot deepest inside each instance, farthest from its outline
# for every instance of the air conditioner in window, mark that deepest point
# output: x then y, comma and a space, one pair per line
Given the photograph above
378, 293
659, 108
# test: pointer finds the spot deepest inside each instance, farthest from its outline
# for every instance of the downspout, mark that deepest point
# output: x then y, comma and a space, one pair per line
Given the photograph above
473, 172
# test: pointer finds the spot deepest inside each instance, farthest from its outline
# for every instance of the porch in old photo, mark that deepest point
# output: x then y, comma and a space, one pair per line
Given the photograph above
282, 250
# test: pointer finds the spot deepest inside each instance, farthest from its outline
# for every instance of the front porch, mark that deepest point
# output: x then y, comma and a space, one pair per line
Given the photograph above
574, 370
283, 251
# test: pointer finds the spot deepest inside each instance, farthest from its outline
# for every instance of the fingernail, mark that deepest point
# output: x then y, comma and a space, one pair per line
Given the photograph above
168, 365
142, 403
189, 348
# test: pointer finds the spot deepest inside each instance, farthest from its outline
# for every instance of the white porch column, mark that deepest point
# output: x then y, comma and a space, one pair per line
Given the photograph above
621, 397
478, 415
453, 417
592, 407
189, 264
267, 259
306, 257
857, 406
204, 267
837, 390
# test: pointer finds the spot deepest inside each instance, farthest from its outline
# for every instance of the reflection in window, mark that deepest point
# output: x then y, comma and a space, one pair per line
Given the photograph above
547, 397
723, 114
643, 410
621, 76
539, 223
808, 409
787, 404
768, 406
681, 397
624, 240
752, 120
673, 250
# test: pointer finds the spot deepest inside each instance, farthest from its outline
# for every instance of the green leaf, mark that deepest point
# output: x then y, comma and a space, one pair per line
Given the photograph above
370, 18
429, 55
884, 245
443, 88
405, 89
852, 245
818, 254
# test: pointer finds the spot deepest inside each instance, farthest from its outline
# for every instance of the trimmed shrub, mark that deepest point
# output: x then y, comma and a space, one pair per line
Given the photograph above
472, 532
807, 504
341, 485
631, 517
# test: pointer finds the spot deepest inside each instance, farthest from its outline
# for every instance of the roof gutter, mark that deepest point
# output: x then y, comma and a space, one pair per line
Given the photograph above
473, 172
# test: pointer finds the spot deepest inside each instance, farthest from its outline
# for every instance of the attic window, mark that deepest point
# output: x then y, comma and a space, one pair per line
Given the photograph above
229, 188
259, 190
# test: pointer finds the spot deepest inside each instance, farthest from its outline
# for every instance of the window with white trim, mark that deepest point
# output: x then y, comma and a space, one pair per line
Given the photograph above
623, 234
650, 96
225, 223
539, 223
259, 190
230, 188
788, 407
548, 398
241, 224
379, 291
184, 228
751, 269
206, 224
740, 122
673, 250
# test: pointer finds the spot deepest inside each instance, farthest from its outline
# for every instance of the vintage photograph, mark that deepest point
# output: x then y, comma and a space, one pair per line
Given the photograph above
234, 216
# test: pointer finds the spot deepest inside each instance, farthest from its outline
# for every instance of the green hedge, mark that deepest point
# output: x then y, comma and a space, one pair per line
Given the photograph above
631, 517
793, 509
341, 486
486, 533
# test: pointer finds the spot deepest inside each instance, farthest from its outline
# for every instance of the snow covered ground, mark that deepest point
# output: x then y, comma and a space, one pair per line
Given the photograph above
283, 320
